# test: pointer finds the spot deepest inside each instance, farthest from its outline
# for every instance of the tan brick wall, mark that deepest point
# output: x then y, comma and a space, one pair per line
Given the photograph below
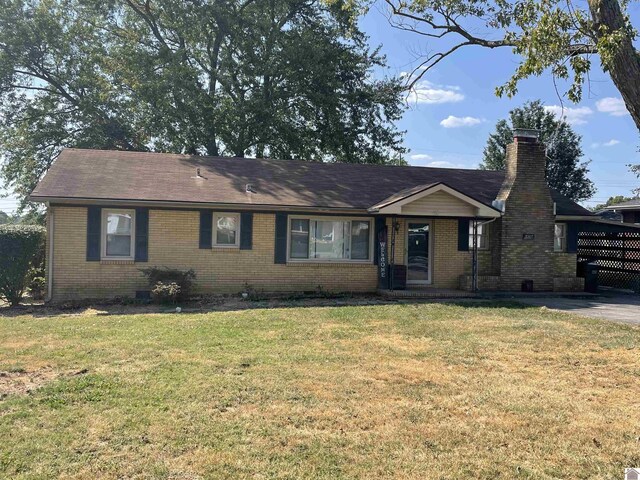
173, 242
528, 210
564, 264
447, 262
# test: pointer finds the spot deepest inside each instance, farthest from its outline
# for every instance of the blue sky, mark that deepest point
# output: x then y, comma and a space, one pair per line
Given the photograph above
456, 109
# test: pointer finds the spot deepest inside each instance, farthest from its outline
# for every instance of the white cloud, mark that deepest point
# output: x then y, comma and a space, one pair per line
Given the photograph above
573, 116
612, 106
429, 93
420, 156
445, 164
457, 122
610, 143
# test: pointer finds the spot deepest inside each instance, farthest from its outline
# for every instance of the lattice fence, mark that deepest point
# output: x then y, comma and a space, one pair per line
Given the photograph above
617, 255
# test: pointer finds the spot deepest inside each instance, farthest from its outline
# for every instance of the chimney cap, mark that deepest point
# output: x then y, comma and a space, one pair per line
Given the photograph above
526, 133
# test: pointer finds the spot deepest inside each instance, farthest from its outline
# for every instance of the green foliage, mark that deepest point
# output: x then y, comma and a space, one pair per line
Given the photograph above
22, 248
169, 284
559, 37
565, 172
610, 202
166, 292
37, 283
278, 78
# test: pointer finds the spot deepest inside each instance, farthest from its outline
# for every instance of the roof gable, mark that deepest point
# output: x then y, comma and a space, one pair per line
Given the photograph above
434, 200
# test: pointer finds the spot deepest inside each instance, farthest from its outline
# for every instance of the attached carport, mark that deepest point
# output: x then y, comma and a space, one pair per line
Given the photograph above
614, 247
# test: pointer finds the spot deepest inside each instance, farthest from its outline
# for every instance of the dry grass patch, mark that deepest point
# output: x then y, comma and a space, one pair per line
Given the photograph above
390, 391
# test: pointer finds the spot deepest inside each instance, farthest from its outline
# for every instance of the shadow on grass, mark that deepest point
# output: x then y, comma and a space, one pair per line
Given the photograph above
235, 303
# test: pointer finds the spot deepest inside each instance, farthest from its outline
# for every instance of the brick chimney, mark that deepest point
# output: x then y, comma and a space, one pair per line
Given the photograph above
528, 220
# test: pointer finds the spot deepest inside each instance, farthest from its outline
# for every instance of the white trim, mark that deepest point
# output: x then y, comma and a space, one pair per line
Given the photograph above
178, 205
482, 210
430, 258
103, 234
563, 247
214, 230
331, 218
484, 235
622, 207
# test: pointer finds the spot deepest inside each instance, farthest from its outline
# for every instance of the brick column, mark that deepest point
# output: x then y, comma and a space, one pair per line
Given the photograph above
528, 221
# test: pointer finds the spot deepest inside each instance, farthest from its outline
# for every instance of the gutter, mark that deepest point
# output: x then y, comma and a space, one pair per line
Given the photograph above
195, 205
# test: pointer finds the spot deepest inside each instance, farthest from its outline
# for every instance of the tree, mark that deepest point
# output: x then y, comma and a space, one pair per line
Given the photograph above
278, 78
610, 202
565, 172
559, 36
5, 218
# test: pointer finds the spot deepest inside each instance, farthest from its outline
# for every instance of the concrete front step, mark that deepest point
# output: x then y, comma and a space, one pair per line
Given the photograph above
428, 293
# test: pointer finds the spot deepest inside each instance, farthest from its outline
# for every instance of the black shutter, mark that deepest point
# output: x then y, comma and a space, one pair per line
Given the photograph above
572, 237
246, 230
280, 253
142, 235
94, 221
206, 228
463, 234
379, 226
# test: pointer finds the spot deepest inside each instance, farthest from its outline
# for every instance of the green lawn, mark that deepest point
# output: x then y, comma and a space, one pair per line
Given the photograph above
423, 391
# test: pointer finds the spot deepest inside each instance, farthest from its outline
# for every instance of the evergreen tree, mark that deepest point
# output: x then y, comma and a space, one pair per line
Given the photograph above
565, 171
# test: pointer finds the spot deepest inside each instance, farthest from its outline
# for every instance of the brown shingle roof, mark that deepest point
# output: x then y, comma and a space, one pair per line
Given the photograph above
118, 175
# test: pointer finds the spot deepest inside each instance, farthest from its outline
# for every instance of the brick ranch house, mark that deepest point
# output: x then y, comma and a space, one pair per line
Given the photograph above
298, 226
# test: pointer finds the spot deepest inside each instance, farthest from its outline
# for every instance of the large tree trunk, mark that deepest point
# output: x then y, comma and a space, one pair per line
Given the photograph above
624, 67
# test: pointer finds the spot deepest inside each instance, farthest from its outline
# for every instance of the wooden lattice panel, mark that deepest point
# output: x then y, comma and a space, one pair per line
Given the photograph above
617, 256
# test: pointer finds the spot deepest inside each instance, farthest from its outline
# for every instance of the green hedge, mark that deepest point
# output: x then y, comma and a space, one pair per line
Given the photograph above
22, 252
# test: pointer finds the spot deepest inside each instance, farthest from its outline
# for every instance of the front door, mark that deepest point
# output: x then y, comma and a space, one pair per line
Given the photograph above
418, 261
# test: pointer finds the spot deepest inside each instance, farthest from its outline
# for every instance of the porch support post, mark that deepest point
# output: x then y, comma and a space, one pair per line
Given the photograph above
392, 264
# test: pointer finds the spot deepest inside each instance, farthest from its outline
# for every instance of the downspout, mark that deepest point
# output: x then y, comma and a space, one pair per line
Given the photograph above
50, 231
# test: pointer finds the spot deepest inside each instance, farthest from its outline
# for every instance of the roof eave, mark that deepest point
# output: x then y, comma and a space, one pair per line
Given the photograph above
76, 201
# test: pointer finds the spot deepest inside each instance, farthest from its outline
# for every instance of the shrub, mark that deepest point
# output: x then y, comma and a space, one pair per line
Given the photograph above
167, 276
166, 292
22, 248
37, 284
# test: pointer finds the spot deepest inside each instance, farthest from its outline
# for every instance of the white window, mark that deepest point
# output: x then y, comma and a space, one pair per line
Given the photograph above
560, 237
330, 239
118, 234
483, 233
226, 229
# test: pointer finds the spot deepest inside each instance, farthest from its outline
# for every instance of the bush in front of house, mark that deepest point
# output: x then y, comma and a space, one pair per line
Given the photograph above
166, 292
169, 284
22, 252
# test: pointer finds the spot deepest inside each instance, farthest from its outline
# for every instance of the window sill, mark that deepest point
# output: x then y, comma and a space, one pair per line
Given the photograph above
329, 262
225, 247
114, 261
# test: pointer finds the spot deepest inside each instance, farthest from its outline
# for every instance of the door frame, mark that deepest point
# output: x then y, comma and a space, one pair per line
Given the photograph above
429, 281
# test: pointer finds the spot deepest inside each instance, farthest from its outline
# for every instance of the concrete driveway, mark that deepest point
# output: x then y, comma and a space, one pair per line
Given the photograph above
618, 308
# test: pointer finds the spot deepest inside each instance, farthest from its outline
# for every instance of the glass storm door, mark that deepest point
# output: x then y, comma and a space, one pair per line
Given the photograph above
418, 268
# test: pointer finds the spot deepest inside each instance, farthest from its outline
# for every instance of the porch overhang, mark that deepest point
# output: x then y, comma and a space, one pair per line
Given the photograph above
434, 200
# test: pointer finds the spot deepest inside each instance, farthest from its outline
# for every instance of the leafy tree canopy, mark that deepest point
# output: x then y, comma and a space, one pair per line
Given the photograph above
565, 172
563, 37
278, 78
610, 202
